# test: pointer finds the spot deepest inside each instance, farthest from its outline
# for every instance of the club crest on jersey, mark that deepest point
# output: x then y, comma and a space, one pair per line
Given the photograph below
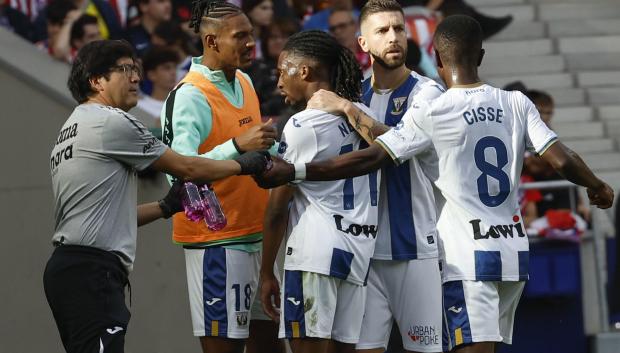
498, 230
399, 104
242, 318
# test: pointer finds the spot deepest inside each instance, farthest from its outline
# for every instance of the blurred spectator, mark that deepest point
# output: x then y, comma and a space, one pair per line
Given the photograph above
418, 61
84, 31
170, 35
109, 26
548, 211
29, 8
77, 31
160, 67
264, 72
152, 13
319, 17
56, 13
17, 22
260, 13
342, 24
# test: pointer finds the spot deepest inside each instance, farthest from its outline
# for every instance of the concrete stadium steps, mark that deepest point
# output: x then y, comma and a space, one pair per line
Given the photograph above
591, 145
609, 112
612, 129
604, 95
519, 30
479, 3
612, 178
592, 61
602, 161
541, 81
579, 130
598, 78
578, 11
526, 65
519, 12
542, 46
589, 44
567, 96
572, 114
572, 28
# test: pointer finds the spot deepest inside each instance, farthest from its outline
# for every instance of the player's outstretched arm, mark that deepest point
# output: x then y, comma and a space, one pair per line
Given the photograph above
365, 125
574, 169
205, 170
274, 227
348, 165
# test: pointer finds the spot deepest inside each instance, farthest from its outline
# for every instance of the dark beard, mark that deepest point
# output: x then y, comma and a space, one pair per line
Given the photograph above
385, 65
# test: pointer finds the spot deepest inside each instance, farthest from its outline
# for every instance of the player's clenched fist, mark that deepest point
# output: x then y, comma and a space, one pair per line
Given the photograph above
258, 137
603, 197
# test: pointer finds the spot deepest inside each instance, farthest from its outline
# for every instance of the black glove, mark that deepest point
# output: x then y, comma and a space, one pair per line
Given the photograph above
171, 203
254, 162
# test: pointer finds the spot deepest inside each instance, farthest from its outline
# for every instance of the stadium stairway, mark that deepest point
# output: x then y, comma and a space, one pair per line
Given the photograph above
571, 49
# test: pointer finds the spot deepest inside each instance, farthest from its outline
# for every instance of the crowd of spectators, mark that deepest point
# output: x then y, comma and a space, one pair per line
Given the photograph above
61, 27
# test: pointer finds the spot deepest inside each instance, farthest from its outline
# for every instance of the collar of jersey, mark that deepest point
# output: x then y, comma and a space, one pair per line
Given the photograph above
471, 85
387, 90
212, 75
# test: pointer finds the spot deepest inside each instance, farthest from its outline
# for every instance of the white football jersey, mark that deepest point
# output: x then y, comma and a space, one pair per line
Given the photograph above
479, 134
407, 215
332, 224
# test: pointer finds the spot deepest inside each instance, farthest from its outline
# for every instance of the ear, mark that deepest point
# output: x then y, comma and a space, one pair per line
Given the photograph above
361, 40
210, 41
304, 72
96, 83
438, 57
481, 56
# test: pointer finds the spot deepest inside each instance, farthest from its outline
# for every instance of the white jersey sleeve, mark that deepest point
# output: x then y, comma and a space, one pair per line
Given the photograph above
411, 136
538, 136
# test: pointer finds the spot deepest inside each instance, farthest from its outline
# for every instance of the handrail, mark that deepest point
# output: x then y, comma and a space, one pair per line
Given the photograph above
598, 243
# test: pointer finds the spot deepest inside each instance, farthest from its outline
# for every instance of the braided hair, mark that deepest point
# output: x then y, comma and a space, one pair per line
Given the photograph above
214, 9
345, 75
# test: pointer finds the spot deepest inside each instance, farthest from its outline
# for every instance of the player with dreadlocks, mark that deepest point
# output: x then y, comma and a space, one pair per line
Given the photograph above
332, 225
214, 112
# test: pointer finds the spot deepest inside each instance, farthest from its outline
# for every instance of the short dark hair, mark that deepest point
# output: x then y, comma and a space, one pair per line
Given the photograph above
539, 97
57, 10
375, 6
345, 75
211, 9
458, 40
156, 56
77, 29
95, 59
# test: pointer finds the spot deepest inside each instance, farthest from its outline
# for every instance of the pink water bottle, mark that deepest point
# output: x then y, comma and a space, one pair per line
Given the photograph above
213, 214
192, 202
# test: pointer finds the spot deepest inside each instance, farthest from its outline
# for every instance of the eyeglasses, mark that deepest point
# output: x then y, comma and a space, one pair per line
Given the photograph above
341, 26
128, 69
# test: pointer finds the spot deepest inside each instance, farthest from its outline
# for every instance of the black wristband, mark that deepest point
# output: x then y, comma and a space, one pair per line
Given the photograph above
165, 209
239, 150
